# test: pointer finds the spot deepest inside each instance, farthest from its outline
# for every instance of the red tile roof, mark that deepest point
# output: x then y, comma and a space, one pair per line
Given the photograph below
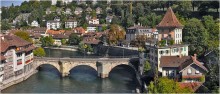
3, 46
79, 30
192, 76
90, 40
169, 20
192, 85
53, 32
2, 58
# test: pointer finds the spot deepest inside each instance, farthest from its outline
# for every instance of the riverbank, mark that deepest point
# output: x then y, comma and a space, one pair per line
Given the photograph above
16, 80
64, 48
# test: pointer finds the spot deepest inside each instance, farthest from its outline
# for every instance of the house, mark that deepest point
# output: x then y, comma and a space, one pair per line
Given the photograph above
78, 10
98, 10
108, 19
39, 30
68, 11
70, 23
166, 41
94, 20
134, 31
58, 37
16, 57
94, 27
54, 32
35, 24
48, 11
89, 10
183, 68
79, 30
59, 10
53, 24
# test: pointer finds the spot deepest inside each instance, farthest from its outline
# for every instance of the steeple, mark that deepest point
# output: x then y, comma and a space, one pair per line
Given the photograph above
169, 20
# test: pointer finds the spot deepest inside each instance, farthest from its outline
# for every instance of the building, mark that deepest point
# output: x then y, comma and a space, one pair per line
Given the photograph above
133, 32
167, 41
89, 10
94, 20
16, 57
78, 11
183, 68
35, 24
108, 19
94, 27
58, 38
54, 24
98, 10
68, 11
70, 23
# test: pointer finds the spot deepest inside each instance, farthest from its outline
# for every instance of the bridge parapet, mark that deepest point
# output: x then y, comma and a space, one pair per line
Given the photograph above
102, 65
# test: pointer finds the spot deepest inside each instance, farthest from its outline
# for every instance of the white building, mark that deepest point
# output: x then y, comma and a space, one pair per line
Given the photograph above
34, 24
167, 42
94, 21
53, 25
70, 24
16, 59
68, 11
78, 11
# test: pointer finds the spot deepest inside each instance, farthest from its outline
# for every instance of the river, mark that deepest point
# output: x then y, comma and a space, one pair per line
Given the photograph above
82, 79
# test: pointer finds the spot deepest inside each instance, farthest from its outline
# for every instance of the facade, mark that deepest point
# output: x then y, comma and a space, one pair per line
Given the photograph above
167, 41
68, 11
98, 10
108, 19
78, 11
53, 25
183, 68
70, 24
136, 30
16, 57
58, 37
94, 21
94, 27
35, 24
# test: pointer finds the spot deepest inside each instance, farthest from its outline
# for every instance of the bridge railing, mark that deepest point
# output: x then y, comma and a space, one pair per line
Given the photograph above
86, 57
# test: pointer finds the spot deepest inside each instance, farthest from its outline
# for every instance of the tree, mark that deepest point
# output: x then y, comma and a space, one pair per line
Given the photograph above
63, 41
47, 41
24, 35
116, 34
147, 66
139, 10
165, 85
5, 25
74, 39
196, 35
183, 7
116, 20
39, 52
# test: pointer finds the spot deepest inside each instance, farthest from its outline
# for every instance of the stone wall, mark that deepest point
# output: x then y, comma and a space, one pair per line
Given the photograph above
116, 51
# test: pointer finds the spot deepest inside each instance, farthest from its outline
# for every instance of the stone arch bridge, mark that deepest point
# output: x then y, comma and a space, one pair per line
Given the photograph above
102, 65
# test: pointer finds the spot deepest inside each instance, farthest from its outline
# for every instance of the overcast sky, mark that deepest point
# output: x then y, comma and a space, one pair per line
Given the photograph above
9, 2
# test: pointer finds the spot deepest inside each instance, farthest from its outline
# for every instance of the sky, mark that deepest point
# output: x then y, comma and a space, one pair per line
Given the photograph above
9, 2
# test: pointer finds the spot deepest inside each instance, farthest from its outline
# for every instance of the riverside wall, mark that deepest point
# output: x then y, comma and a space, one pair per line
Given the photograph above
16, 80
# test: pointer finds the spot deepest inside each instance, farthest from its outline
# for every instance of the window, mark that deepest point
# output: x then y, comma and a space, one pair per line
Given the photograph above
161, 52
167, 51
189, 71
167, 73
184, 48
197, 71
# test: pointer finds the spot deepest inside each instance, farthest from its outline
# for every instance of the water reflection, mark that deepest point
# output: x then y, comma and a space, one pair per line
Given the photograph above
82, 79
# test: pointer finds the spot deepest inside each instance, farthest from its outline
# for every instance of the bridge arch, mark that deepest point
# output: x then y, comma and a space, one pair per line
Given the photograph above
68, 66
52, 63
124, 65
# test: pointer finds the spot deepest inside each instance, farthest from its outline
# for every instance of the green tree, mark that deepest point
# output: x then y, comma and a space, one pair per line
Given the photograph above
147, 66
39, 52
63, 41
183, 7
196, 35
47, 41
24, 35
74, 39
5, 25
139, 10
165, 85
116, 20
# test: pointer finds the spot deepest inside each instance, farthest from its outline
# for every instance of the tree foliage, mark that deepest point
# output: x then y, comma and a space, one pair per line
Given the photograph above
147, 66
116, 34
165, 85
39, 52
74, 39
47, 41
24, 35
